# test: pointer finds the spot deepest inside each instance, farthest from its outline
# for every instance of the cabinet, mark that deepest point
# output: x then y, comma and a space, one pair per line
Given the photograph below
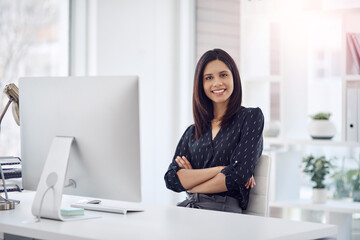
294, 64
351, 77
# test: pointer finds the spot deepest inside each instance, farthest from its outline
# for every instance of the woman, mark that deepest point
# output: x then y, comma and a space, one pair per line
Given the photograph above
216, 157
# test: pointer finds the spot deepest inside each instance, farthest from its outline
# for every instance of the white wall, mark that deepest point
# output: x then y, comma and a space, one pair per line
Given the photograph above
142, 38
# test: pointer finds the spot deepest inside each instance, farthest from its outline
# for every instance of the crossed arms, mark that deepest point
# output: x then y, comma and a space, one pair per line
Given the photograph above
207, 180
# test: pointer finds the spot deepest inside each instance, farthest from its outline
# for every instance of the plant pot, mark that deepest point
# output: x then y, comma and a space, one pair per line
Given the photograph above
319, 195
272, 129
356, 196
321, 129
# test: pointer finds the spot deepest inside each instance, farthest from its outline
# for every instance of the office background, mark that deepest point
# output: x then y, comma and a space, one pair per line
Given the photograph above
291, 56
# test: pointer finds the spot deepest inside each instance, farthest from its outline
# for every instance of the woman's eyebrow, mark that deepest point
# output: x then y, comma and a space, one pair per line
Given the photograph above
207, 74
224, 71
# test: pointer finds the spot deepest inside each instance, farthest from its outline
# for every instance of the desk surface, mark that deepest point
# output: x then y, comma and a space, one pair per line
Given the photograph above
157, 222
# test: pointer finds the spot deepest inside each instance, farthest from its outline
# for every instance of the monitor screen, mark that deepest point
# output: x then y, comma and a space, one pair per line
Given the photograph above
102, 114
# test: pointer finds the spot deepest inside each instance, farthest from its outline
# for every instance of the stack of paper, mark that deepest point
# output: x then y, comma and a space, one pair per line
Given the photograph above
11, 170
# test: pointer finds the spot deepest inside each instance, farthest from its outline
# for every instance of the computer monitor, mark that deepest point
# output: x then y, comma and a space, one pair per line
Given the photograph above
102, 114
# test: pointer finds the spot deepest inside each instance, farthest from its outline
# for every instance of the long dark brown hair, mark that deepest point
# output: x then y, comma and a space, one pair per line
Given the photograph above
203, 109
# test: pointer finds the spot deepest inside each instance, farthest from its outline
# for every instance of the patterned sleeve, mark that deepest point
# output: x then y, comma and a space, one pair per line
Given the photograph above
247, 153
171, 178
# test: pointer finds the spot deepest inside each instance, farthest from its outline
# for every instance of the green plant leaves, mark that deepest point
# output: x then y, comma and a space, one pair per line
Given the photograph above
321, 116
317, 169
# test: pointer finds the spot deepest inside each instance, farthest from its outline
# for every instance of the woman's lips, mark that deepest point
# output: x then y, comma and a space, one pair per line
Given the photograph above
219, 92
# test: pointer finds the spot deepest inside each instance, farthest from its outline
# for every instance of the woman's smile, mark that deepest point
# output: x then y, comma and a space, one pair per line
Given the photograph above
219, 92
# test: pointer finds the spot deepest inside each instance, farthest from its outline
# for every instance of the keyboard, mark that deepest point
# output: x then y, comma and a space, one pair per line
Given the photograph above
105, 208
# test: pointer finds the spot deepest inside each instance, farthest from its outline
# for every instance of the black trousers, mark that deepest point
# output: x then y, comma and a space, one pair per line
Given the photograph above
214, 202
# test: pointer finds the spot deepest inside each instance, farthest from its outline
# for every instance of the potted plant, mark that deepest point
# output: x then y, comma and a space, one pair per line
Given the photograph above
320, 126
317, 169
341, 186
353, 177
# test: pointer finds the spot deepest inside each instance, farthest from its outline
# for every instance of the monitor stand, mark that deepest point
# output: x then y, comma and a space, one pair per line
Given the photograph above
48, 197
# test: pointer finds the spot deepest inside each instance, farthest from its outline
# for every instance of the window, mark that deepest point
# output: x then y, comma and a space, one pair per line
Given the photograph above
34, 41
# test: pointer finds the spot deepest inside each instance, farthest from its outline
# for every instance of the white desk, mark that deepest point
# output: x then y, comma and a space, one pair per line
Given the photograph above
336, 212
157, 222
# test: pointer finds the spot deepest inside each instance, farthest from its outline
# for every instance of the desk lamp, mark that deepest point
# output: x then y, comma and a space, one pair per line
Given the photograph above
12, 91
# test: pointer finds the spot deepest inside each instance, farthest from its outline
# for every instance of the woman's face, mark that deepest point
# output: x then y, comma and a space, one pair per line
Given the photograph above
218, 81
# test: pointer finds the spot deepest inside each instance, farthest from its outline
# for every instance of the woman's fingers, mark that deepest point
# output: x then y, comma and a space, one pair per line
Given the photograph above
179, 162
247, 184
183, 162
187, 163
251, 183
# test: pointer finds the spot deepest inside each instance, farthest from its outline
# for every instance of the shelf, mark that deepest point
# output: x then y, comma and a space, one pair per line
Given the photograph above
330, 205
286, 142
352, 77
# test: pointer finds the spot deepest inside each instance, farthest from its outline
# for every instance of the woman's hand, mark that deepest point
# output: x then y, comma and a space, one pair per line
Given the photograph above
183, 162
251, 183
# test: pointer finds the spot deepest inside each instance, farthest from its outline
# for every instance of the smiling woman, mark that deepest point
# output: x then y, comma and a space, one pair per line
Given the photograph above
216, 157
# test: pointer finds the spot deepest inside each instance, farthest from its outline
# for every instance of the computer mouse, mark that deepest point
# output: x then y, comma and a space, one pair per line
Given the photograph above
94, 201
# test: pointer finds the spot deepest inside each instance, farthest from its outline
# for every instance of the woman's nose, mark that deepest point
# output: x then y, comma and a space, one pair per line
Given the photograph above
217, 82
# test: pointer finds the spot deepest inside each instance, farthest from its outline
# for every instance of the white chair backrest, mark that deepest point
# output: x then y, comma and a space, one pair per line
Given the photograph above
259, 195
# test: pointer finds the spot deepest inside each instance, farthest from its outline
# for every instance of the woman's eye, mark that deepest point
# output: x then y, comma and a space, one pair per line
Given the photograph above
208, 78
223, 75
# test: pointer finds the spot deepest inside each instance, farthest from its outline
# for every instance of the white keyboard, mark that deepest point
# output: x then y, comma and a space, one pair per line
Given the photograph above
105, 208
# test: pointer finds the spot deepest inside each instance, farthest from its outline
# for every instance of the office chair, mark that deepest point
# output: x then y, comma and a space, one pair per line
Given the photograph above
259, 195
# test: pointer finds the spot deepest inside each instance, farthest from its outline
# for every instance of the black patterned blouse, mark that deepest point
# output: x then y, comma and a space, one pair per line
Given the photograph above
238, 146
